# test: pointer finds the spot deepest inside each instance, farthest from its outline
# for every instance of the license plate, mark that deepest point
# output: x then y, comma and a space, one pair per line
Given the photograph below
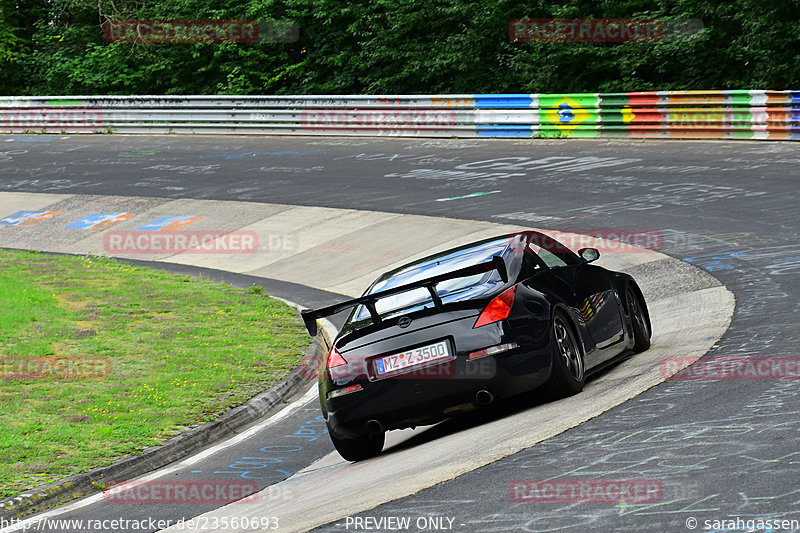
412, 358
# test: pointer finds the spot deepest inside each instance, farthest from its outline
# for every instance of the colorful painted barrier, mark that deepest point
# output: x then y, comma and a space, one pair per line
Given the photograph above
734, 114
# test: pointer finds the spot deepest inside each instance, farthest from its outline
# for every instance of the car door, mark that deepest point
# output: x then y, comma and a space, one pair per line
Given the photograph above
595, 298
552, 278
600, 306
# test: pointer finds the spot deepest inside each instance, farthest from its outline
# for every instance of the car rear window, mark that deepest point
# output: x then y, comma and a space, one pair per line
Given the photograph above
450, 290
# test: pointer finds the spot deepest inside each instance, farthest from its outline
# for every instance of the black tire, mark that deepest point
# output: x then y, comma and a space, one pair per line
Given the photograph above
360, 448
568, 373
637, 313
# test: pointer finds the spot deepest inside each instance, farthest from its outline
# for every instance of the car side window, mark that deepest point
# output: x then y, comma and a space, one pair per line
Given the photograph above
551, 259
551, 252
532, 262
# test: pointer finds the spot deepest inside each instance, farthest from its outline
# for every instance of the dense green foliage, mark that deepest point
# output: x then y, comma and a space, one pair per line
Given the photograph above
394, 46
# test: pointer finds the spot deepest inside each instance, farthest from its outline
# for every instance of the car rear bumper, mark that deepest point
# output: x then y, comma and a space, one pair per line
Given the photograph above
445, 389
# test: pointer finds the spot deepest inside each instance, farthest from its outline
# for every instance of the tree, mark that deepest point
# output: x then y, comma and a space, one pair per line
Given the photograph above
394, 46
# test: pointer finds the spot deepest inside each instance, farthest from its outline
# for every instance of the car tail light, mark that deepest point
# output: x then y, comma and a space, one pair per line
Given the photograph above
492, 350
346, 390
498, 309
335, 358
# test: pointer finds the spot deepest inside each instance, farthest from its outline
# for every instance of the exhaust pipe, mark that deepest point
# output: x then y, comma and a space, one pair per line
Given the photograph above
374, 427
484, 397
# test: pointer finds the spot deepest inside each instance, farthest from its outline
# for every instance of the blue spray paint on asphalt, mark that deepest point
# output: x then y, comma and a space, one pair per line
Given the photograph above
264, 466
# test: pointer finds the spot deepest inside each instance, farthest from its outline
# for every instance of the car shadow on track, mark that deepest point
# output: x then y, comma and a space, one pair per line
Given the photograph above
498, 410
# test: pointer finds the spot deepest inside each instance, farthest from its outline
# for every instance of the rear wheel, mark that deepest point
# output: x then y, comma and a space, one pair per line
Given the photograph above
641, 326
359, 448
567, 376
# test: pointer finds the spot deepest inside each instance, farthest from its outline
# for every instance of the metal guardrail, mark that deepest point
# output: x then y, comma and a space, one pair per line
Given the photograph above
735, 114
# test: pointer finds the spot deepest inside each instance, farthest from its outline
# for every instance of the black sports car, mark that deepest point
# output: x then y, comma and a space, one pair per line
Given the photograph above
453, 331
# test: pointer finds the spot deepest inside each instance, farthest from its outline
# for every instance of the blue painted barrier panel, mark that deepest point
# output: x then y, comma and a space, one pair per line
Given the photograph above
502, 101
504, 131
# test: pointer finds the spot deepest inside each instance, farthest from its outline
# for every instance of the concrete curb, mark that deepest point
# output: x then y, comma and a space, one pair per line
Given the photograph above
178, 447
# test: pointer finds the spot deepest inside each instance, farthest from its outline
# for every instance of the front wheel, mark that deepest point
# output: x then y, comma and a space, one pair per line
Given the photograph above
567, 376
359, 448
641, 326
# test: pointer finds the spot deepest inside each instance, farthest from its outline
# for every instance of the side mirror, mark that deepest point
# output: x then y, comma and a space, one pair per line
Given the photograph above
589, 254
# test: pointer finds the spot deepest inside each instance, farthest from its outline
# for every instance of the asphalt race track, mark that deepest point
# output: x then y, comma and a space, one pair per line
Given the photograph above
722, 449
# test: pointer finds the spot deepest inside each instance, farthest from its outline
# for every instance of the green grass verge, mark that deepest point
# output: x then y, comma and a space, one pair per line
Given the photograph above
100, 359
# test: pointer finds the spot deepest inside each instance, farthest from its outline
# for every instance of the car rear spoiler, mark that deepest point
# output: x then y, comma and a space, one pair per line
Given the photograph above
310, 316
